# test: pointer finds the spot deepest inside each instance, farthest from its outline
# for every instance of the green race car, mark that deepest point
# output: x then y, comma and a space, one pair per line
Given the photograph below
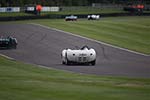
8, 43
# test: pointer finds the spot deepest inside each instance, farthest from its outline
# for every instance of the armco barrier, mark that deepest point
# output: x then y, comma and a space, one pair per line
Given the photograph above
59, 16
9, 9
30, 17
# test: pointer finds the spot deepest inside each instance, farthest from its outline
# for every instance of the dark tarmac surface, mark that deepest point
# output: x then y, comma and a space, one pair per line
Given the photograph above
43, 46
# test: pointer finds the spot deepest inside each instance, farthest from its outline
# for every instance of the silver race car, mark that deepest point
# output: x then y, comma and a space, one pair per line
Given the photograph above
85, 55
71, 18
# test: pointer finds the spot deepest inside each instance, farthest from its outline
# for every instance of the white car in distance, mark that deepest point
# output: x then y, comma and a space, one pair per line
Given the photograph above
93, 17
71, 18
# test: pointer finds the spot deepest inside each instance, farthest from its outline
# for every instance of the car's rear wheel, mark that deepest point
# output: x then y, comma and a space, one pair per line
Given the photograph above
67, 62
93, 62
63, 62
15, 46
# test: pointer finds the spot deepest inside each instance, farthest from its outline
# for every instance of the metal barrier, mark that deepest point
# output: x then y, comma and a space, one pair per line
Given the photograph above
59, 16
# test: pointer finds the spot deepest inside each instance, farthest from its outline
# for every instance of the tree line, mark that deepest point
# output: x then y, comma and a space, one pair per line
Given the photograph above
5, 3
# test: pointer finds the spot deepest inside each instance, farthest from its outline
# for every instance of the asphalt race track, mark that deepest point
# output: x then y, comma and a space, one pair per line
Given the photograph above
43, 46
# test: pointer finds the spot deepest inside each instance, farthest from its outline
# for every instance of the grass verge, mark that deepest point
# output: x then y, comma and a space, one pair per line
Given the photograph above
78, 10
20, 81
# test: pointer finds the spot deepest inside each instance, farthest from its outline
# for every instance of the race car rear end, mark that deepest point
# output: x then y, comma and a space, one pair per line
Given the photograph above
8, 43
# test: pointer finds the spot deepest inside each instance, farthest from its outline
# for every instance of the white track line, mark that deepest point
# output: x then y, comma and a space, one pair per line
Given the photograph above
6, 57
91, 39
40, 66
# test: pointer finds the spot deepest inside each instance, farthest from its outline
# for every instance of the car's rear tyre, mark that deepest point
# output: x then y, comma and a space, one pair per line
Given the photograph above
67, 62
63, 62
15, 46
93, 62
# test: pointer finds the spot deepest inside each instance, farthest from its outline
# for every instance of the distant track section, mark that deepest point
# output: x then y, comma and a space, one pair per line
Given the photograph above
59, 16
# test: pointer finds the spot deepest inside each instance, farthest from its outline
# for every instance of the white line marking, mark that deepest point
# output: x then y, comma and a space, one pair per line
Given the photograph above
7, 57
91, 40
40, 66
45, 67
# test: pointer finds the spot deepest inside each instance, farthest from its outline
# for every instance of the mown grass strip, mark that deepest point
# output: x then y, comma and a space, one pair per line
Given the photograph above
20, 81
127, 32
